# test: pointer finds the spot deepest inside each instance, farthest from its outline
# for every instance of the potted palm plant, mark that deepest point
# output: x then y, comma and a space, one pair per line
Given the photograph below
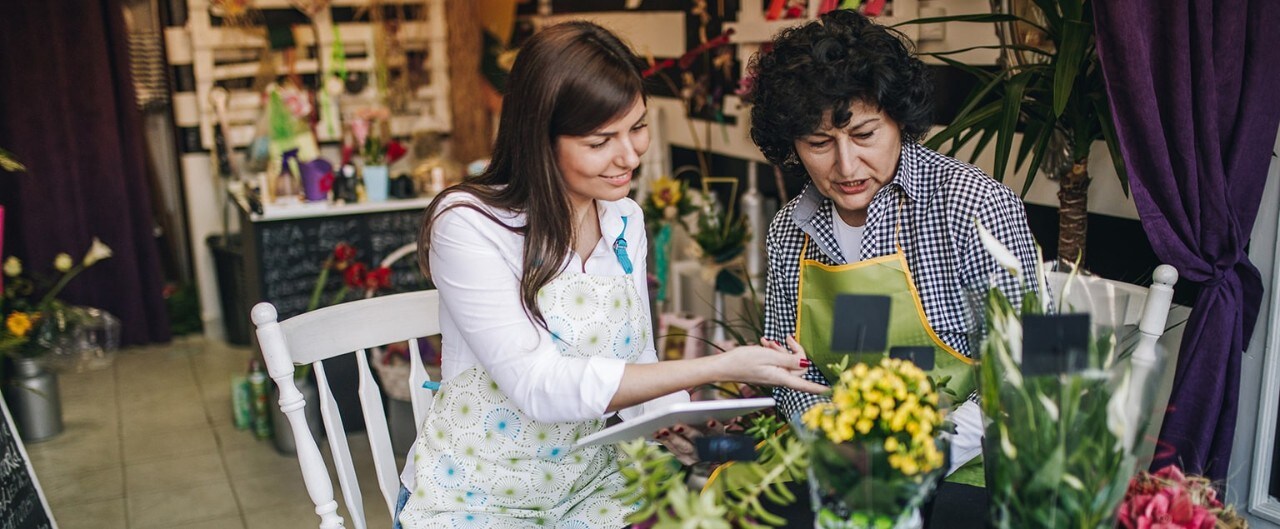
1051, 89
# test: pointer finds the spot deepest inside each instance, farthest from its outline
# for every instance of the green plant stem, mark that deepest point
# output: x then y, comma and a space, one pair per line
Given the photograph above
57, 287
319, 289
341, 295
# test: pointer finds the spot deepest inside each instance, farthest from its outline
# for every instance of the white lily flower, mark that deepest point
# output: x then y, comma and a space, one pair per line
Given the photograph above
999, 251
1005, 445
97, 252
1041, 283
1073, 482
12, 266
62, 262
1118, 418
1050, 407
1013, 333
1012, 371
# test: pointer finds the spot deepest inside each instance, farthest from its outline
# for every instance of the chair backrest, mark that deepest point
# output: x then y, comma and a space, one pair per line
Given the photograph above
347, 328
1145, 309
1151, 373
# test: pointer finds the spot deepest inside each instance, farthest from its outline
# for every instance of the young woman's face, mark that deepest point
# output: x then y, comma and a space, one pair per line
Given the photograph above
599, 166
849, 165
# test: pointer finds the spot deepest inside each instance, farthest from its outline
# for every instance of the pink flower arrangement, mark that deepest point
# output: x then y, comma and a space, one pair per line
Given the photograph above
1168, 499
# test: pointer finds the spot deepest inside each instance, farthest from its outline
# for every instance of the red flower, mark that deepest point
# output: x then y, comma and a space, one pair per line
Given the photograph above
378, 278
344, 252
395, 150
355, 275
1167, 500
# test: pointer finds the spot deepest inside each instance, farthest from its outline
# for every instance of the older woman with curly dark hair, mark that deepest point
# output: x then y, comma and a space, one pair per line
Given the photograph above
843, 102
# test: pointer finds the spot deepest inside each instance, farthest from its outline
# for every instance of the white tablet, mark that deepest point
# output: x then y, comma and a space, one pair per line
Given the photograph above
697, 412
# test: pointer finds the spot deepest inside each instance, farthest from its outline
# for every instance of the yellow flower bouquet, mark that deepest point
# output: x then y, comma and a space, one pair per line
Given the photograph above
875, 450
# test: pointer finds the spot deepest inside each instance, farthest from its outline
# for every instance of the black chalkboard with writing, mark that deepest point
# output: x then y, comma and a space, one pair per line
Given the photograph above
22, 503
283, 259
293, 251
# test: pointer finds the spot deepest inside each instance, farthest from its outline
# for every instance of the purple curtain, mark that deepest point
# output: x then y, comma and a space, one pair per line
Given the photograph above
1193, 86
67, 111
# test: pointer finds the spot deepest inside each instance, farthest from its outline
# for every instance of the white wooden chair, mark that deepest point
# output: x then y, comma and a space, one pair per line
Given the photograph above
351, 327
1146, 312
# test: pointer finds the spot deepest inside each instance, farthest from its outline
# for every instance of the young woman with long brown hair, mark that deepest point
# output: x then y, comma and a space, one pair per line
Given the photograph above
540, 263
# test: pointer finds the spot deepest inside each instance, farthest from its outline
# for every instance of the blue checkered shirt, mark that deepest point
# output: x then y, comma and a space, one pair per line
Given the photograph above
936, 198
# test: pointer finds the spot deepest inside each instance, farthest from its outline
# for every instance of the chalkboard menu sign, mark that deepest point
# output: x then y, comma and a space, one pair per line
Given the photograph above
291, 252
283, 258
22, 503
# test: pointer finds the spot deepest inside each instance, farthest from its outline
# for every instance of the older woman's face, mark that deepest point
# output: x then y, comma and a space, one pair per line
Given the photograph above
848, 165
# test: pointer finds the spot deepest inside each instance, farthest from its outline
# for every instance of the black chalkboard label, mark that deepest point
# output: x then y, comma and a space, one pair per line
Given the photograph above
293, 252
22, 502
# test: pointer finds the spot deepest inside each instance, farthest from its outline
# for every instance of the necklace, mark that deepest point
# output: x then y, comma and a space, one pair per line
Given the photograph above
580, 237
582, 221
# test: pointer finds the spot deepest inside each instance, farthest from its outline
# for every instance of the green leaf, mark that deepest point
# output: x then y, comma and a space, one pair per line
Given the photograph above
1071, 53
9, 163
1016, 47
981, 18
1010, 113
1040, 147
1072, 9
987, 136
1108, 125
964, 123
980, 73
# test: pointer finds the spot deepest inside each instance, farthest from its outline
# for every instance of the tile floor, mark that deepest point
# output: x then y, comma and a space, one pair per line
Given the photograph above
149, 442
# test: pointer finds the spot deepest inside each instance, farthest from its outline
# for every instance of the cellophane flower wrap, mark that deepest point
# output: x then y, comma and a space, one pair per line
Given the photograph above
1059, 447
875, 453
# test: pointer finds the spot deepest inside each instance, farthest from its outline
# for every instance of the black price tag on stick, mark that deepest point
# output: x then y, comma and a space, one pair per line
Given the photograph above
860, 324
1055, 344
723, 448
920, 355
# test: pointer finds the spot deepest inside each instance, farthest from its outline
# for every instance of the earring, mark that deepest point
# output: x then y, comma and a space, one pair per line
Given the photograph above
791, 159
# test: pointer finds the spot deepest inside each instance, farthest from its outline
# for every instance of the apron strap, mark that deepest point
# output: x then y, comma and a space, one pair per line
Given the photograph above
897, 226
620, 249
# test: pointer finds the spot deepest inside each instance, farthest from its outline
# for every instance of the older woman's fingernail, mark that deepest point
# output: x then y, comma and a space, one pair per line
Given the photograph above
712, 423
804, 362
662, 433
679, 429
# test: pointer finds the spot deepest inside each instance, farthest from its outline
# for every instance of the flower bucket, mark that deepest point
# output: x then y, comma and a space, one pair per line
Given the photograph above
853, 486
33, 397
376, 182
876, 450
1059, 445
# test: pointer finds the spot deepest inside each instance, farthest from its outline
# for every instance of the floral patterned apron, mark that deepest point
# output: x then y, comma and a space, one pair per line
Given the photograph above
481, 462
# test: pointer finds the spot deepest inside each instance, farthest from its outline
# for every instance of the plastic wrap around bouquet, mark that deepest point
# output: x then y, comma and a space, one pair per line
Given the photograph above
875, 450
1066, 389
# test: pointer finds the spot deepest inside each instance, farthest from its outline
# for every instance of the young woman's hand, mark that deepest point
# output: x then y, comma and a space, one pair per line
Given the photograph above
771, 364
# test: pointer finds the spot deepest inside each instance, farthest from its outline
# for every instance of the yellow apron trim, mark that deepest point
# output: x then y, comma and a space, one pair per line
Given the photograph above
799, 289
901, 258
915, 296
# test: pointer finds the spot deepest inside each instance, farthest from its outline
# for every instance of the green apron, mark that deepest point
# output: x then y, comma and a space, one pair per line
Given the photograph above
888, 275
884, 276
